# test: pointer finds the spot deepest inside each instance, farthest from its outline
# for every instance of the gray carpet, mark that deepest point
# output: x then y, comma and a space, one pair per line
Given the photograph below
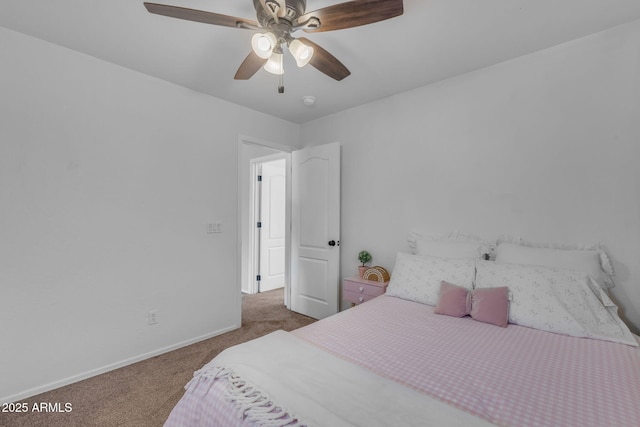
143, 394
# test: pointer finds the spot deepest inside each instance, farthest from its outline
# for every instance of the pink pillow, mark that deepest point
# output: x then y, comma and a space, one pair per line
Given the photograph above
491, 305
453, 300
488, 305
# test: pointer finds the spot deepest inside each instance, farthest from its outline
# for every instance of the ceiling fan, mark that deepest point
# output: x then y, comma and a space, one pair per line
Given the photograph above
278, 19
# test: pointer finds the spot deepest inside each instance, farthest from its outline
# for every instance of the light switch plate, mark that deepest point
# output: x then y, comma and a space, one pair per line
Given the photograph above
214, 227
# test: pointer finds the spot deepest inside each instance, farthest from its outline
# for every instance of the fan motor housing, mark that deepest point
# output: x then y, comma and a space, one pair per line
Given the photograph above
295, 8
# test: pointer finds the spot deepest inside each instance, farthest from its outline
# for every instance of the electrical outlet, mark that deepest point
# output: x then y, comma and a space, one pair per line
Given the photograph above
153, 317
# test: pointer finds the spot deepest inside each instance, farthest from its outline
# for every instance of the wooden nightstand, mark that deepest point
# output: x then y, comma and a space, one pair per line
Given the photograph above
357, 291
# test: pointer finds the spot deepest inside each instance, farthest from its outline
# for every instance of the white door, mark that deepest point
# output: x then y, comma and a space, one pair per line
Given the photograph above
272, 219
315, 233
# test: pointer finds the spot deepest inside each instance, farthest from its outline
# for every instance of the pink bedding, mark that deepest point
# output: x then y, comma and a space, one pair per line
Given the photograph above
512, 376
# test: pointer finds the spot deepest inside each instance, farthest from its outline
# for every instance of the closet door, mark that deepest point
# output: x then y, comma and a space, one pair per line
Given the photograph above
272, 231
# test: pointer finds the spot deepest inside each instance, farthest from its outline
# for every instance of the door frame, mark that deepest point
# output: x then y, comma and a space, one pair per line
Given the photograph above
246, 141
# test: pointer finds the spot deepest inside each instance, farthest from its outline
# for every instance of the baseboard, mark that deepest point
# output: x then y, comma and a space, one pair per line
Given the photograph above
92, 373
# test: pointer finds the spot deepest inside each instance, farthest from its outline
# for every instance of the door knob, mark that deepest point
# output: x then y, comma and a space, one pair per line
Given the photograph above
332, 243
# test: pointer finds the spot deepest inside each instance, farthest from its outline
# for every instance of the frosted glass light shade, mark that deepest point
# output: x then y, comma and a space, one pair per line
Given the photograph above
274, 64
263, 44
301, 52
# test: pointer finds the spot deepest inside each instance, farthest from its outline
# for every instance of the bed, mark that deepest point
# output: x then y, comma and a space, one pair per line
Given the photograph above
439, 349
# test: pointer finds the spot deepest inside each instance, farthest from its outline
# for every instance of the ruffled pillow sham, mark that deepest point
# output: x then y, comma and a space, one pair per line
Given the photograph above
592, 260
556, 300
417, 278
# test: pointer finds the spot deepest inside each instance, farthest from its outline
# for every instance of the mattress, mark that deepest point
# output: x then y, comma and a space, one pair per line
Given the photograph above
512, 376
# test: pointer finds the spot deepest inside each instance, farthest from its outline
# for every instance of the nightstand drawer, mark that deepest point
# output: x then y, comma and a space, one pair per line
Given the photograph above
357, 298
362, 287
357, 290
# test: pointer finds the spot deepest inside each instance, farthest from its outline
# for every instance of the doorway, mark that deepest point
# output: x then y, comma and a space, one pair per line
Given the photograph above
268, 199
312, 224
264, 223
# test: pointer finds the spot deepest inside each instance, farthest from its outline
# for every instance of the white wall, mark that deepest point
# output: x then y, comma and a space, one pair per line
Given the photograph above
107, 181
545, 147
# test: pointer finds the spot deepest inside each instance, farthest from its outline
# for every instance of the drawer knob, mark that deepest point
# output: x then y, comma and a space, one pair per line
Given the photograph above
361, 299
361, 289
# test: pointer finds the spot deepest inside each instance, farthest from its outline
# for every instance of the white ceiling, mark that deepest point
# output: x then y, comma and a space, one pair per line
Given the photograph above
433, 40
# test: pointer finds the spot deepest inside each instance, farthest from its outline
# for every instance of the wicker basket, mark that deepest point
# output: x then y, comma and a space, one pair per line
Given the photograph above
377, 274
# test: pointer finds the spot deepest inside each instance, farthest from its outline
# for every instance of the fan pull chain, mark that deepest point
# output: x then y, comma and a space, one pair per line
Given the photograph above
281, 82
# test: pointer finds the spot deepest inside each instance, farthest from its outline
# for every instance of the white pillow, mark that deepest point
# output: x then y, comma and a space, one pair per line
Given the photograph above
417, 278
556, 300
588, 261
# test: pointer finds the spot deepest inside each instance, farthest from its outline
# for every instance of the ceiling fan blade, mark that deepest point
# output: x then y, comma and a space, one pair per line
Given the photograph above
352, 14
326, 62
249, 66
200, 16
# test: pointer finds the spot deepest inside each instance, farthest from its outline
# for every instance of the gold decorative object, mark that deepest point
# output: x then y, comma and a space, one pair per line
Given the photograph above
376, 274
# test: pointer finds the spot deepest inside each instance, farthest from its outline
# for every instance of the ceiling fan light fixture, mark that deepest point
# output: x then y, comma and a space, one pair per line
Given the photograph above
278, 19
263, 44
274, 64
301, 52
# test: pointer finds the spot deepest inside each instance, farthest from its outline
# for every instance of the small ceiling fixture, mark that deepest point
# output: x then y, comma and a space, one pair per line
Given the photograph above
309, 100
278, 19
